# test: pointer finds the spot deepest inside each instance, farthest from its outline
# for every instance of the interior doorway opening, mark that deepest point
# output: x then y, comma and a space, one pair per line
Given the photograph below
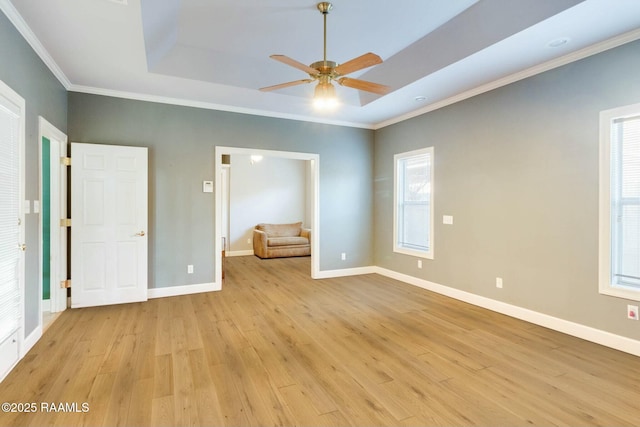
222, 171
53, 235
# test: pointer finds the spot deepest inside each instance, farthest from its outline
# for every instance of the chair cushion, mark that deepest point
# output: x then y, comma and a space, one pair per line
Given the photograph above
287, 241
280, 230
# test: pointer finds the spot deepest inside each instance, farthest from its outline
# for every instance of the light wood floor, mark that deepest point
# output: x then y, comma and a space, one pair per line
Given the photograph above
277, 348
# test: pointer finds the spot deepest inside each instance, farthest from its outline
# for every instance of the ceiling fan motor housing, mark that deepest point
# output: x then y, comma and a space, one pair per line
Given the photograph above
325, 68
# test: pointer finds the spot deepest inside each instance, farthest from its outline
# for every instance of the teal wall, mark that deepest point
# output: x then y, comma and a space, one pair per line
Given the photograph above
45, 214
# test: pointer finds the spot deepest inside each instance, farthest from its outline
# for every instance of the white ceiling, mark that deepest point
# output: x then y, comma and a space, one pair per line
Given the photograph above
215, 53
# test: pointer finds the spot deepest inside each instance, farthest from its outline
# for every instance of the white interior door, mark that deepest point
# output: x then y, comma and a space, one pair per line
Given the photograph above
108, 224
58, 233
224, 176
12, 235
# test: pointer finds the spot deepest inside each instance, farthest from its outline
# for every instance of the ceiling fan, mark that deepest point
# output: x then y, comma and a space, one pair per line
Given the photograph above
325, 72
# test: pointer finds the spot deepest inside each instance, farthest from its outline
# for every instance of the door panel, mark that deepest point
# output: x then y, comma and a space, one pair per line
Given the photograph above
12, 247
109, 224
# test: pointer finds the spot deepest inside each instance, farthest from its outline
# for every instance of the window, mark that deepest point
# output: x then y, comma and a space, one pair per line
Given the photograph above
413, 196
620, 202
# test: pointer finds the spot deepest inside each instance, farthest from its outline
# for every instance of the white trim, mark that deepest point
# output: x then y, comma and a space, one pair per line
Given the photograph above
46, 306
239, 253
314, 160
212, 106
521, 75
400, 249
604, 224
588, 333
30, 341
356, 271
173, 291
23, 28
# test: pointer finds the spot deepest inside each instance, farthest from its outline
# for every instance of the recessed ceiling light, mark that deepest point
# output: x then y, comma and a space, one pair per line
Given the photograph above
420, 98
558, 42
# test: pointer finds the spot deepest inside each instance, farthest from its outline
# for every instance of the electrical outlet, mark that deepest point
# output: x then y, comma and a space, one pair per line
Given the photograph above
499, 282
189, 269
248, 241
419, 263
632, 312
343, 256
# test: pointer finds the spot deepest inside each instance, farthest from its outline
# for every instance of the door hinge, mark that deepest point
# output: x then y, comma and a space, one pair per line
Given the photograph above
65, 222
65, 161
65, 284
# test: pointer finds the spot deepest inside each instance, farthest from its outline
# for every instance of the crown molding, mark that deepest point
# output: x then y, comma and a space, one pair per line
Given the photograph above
520, 75
21, 25
211, 106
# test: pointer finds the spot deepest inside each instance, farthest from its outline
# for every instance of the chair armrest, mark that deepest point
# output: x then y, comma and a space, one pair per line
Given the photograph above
260, 243
306, 232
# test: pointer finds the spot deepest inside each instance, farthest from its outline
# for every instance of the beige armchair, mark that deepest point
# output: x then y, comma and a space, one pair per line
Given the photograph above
281, 240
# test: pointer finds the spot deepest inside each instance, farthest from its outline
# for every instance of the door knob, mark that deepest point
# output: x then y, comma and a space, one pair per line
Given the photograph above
140, 234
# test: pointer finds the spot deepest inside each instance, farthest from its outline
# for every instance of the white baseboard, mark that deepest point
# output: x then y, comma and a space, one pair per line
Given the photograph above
239, 253
30, 341
357, 271
588, 333
173, 291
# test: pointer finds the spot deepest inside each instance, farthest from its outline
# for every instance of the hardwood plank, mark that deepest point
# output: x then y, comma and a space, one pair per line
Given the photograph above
162, 412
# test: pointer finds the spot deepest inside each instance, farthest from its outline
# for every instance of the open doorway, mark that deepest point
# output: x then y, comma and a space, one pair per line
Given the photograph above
53, 234
312, 166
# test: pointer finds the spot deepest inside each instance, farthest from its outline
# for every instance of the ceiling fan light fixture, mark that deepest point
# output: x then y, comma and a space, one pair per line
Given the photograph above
325, 97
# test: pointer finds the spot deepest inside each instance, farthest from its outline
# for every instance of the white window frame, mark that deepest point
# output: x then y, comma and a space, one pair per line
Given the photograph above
428, 254
607, 118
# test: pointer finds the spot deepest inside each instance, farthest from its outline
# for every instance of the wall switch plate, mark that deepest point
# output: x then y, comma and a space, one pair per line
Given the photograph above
248, 241
632, 312
207, 186
447, 219
419, 263
499, 282
190, 269
343, 256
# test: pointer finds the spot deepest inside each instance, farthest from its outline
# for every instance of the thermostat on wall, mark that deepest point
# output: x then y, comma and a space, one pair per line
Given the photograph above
207, 186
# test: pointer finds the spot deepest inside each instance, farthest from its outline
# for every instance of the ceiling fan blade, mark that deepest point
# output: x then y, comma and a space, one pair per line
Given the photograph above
295, 64
283, 85
364, 85
363, 61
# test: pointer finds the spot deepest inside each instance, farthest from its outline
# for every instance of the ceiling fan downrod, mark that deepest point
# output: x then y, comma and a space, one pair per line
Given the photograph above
324, 7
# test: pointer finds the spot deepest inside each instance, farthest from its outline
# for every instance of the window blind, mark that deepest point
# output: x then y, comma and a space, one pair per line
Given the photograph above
9, 216
625, 202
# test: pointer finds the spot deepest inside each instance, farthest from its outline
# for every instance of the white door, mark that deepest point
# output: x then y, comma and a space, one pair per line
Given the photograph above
58, 211
108, 224
12, 247
224, 176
